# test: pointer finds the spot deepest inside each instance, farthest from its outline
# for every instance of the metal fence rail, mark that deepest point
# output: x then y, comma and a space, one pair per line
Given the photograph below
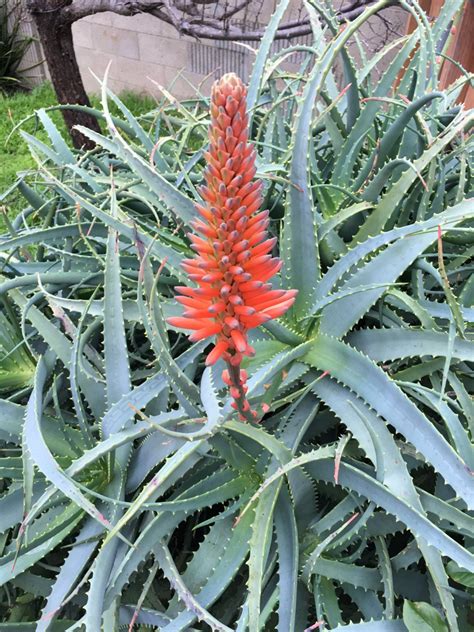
220, 56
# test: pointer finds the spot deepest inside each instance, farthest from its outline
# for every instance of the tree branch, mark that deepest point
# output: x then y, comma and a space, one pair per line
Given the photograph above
82, 8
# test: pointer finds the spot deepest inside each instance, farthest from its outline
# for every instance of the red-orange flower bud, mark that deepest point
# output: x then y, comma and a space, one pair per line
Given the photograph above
232, 263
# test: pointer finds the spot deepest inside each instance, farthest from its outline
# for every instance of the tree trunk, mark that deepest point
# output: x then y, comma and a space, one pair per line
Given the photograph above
56, 39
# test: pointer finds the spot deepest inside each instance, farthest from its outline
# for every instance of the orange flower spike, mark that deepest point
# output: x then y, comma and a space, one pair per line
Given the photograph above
232, 265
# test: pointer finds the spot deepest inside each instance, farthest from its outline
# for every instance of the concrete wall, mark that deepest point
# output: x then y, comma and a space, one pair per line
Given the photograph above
143, 50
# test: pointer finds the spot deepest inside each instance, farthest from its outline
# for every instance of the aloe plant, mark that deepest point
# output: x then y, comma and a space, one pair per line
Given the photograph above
133, 493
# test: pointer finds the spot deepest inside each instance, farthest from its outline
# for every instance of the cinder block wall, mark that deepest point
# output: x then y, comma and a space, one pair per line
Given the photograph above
143, 49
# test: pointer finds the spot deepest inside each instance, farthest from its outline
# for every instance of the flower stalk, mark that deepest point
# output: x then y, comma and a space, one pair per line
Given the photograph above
233, 264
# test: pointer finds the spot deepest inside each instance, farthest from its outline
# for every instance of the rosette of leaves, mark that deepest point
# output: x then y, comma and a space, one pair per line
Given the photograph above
132, 494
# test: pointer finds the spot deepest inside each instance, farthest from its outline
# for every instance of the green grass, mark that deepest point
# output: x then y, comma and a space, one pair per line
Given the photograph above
14, 154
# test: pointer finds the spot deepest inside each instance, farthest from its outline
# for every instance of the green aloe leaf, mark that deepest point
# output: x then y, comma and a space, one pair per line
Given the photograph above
346, 365
421, 617
117, 370
41, 455
389, 344
286, 530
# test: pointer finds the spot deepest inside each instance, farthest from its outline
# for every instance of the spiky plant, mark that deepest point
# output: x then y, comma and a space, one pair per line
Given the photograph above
133, 494
17, 367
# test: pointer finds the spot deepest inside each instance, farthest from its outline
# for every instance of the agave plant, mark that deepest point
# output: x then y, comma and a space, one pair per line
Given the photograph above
134, 495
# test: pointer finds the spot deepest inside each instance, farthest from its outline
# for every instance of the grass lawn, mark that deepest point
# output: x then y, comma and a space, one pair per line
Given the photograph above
14, 154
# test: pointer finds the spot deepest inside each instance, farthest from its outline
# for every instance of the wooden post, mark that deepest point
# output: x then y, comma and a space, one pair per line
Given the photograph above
461, 47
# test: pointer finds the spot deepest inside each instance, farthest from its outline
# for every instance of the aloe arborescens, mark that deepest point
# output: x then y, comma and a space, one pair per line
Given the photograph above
233, 265
352, 504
